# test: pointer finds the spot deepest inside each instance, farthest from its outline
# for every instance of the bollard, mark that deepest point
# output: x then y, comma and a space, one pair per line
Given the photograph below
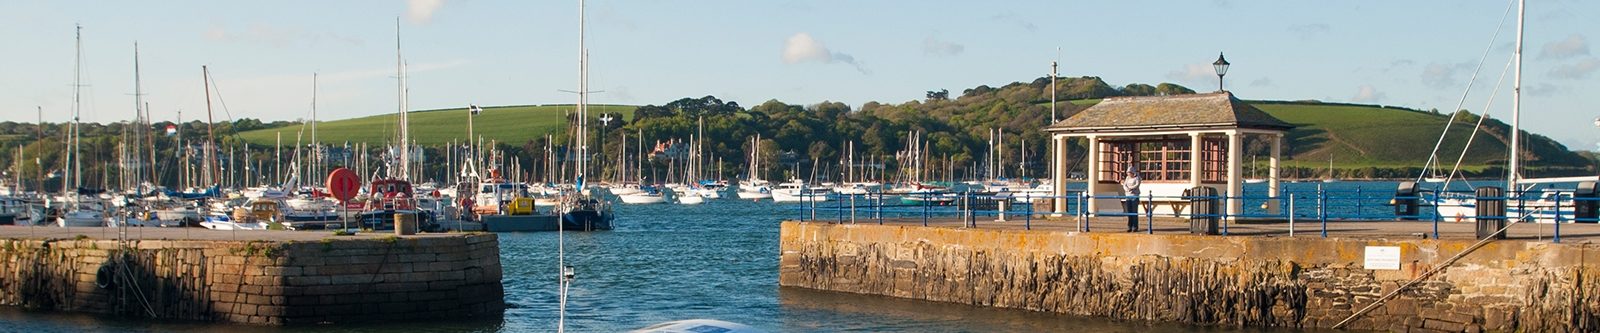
1491, 212
1585, 208
405, 224
1203, 210
1405, 201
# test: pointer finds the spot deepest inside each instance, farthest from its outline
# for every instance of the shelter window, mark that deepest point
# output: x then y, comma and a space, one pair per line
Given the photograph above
1214, 160
1165, 160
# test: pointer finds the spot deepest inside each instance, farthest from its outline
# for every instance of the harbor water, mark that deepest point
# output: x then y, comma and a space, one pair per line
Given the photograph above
717, 260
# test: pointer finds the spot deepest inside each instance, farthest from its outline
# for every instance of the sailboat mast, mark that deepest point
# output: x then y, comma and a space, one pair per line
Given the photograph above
1516, 106
77, 75
209, 178
138, 121
316, 146
405, 137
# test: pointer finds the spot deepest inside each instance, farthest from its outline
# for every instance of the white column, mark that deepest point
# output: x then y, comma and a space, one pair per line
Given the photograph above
1093, 176
1058, 180
1194, 159
1273, 188
1235, 186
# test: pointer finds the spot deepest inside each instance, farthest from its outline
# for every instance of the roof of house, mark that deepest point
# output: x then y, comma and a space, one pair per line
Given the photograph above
1219, 110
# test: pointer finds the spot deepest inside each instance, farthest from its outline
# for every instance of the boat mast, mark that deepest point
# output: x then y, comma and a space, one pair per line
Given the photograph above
77, 75
316, 146
138, 121
1516, 105
405, 137
209, 177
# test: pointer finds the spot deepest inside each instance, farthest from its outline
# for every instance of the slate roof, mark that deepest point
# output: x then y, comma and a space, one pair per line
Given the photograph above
1219, 110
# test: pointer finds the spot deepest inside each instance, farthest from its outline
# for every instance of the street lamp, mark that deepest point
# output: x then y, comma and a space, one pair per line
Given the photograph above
1222, 69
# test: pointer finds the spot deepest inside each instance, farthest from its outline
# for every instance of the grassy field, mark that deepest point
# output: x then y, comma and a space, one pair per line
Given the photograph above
1370, 136
433, 127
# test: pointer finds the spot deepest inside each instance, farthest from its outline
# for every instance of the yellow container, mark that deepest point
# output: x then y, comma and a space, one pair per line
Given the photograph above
520, 206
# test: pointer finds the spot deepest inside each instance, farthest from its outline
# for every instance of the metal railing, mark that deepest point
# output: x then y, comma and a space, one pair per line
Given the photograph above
1321, 206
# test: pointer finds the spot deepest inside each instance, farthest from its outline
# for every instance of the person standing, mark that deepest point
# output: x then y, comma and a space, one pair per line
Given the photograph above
1130, 188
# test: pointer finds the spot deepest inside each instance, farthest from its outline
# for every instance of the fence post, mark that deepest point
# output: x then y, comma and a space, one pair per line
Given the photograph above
925, 198
838, 207
877, 210
1027, 222
1557, 237
1150, 215
1436, 214
1322, 209
1085, 211
1222, 214
1291, 214
1359, 210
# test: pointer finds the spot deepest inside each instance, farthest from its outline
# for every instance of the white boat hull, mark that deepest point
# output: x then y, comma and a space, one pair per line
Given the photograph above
643, 199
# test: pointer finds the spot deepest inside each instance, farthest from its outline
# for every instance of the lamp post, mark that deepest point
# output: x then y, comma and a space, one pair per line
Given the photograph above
1222, 69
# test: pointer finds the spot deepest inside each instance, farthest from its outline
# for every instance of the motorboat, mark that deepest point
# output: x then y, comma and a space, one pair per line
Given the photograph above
646, 195
797, 191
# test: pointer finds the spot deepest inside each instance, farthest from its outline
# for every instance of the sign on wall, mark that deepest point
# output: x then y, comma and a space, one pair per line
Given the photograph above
1383, 257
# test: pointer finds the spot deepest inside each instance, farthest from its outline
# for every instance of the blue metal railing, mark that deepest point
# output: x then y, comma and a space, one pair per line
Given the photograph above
1326, 205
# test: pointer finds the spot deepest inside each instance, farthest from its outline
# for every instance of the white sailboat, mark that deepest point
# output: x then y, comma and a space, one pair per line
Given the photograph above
753, 187
79, 210
1544, 207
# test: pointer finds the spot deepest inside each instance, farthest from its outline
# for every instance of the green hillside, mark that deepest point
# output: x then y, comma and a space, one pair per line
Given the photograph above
433, 127
1355, 135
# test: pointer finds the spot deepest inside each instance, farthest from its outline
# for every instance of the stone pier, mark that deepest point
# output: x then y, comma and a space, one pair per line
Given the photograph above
253, 277
1240, 281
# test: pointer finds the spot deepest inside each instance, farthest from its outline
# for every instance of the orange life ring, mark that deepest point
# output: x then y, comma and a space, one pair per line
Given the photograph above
1460, 217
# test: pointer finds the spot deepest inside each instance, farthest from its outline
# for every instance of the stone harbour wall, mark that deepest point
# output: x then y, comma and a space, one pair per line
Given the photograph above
1206, 280
258, 282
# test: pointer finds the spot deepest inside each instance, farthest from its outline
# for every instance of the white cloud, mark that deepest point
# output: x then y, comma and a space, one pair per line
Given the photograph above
1014, 19
1577, 70
936, 47
1442, 76
802, 48
1261, 82
1368, 94
1575, 45
1194, 74
421, 11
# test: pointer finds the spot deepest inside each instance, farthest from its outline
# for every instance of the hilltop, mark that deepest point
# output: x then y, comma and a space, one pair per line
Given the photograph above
515, 124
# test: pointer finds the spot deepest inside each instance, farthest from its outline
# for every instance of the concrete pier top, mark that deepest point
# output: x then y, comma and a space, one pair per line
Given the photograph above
200, 234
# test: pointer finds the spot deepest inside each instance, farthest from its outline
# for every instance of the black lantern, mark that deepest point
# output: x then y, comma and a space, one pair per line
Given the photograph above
1222, 69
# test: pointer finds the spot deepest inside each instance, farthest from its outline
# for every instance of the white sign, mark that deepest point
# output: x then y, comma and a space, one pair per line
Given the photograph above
1383, 257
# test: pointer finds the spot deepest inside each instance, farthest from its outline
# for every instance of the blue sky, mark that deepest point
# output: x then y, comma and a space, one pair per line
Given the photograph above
262, 54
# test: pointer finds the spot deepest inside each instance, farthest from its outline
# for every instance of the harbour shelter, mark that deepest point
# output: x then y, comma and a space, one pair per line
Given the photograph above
1175, 142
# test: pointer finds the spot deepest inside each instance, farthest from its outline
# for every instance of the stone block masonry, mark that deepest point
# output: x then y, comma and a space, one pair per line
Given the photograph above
1237, 281
266, 282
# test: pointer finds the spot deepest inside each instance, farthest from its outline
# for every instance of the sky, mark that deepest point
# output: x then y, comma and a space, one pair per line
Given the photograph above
263, 54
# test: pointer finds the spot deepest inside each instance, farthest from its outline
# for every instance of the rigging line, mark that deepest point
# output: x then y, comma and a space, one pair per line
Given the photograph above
1434, 155
1476, 128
